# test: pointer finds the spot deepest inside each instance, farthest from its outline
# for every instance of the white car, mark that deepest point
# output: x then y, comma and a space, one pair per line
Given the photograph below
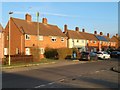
103, 55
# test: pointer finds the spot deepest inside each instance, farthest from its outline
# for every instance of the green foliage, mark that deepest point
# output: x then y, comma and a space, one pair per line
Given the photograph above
51, 53
61, 53
64, 53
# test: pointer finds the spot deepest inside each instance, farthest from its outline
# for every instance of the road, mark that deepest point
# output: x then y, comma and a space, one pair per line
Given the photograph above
86, 75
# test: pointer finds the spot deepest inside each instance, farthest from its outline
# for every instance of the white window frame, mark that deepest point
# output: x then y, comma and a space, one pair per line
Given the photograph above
5, 51
91, 41
42, 50
27, 53
53, 38
62, 39
17, 50
94, 41
82, 41
26, 35
40, 38
77, 41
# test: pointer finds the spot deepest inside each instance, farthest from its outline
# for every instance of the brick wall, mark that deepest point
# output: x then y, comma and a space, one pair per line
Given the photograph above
15, 37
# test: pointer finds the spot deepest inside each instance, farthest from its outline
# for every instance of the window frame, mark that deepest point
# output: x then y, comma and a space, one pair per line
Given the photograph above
62, 39
53, 39
26, 35
40, 37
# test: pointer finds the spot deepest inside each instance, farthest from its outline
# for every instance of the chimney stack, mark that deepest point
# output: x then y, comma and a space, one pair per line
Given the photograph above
28, 17
44, 20
83, 30
108, 35
101, 33
95, 32
77, 29
65, 28
117, 35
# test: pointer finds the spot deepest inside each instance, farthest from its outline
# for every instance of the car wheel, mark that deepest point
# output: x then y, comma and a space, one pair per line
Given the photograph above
104, 57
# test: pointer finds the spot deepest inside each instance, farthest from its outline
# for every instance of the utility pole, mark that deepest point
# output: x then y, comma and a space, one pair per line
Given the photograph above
9, 37
37, 29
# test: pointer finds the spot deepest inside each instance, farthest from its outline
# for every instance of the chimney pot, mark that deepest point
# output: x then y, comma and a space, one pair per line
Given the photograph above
117, 35
108, 35
77, 29
44, 20
28, 17
101, 33
95, 32
83, 30
65, 28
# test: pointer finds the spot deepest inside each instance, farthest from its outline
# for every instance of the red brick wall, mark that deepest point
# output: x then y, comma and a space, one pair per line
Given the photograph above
46, 42
15, 37
1, 45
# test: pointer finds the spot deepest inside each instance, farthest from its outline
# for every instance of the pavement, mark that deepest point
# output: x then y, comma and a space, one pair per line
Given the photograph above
116, 69
42, 65
50, 64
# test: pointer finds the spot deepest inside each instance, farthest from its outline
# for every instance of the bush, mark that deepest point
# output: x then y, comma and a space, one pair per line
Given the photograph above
51, 53
61, 53
64, 53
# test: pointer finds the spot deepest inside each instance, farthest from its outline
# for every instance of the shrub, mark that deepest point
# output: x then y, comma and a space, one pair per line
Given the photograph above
51, 53
64, 53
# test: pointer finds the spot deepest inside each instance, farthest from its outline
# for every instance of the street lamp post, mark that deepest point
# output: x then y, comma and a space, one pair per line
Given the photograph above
9, 36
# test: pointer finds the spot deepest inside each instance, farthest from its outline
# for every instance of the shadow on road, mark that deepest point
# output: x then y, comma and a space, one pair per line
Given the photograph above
10, 80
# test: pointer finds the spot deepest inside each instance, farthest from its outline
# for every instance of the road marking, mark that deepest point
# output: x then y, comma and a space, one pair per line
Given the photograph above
97, 71
51, 83
61, 80
40, 86
102, 70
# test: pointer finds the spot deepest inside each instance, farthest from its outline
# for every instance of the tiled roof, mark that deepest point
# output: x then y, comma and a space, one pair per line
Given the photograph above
31, 28
1, 28
114, 39
89, 36
74, 35
101, 38
108, 39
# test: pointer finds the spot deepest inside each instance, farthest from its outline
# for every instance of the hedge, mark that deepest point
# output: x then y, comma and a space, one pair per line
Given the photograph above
61, 53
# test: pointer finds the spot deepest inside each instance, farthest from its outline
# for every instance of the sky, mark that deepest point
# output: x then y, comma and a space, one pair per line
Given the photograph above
92, 16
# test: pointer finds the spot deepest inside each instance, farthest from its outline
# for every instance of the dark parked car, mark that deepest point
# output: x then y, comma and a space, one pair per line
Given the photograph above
88, 56
115, 54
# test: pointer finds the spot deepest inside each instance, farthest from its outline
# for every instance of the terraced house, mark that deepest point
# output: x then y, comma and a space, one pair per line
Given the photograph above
1, 42
75, 39
111, 42
92, 43
26, 34
116, 41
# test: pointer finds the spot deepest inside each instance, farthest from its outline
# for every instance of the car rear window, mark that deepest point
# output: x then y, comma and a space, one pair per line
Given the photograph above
99, 53
85, 53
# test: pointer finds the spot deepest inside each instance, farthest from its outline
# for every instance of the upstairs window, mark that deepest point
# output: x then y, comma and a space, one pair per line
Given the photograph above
62, 39
90, 41
53, 39
27, 37
94, 41
41, 38
82, 41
